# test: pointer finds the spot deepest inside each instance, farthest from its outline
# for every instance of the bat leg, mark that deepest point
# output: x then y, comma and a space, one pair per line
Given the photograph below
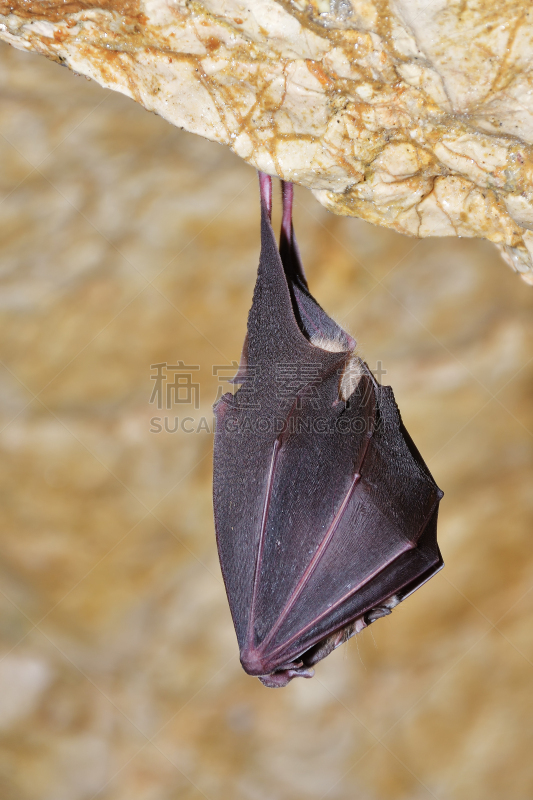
281, 677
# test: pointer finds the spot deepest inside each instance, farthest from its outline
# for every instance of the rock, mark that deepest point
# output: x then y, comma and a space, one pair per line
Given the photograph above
414, 116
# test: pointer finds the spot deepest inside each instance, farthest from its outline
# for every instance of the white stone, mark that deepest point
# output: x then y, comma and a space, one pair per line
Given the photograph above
413, 115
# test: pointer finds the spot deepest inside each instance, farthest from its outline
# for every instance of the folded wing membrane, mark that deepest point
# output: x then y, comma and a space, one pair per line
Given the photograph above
326, 514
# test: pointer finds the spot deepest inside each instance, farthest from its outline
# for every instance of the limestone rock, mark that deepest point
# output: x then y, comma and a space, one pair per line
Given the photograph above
416, 116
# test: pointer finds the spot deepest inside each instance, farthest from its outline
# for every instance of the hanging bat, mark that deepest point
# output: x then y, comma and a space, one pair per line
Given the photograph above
325, 512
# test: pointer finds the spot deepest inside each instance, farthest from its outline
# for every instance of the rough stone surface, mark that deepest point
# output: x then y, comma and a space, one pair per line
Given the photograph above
412, 115
125, 243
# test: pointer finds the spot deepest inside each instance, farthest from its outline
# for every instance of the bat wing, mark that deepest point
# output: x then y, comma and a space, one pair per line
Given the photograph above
325, 511
374, 534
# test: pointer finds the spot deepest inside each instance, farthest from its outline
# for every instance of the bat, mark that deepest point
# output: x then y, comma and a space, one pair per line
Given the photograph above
325, 512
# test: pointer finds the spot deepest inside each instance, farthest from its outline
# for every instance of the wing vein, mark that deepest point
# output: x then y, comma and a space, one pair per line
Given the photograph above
407, 546
261, 543
311, 567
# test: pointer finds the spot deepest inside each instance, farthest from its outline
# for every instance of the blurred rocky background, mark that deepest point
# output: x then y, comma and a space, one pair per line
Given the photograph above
125, 243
